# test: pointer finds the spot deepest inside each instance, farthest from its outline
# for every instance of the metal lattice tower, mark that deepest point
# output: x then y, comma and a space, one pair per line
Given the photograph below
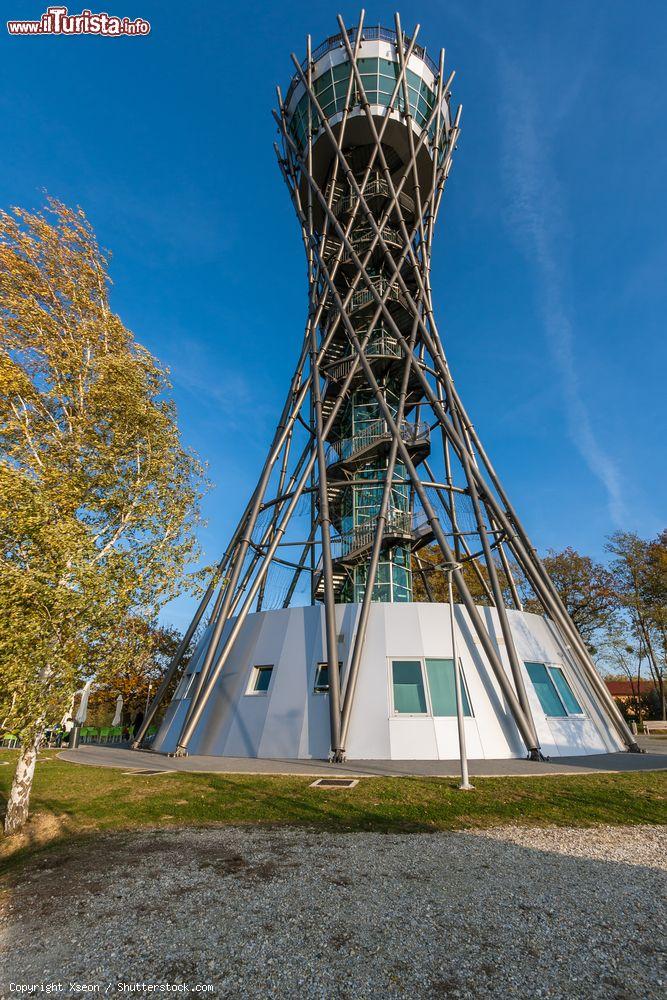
375, 464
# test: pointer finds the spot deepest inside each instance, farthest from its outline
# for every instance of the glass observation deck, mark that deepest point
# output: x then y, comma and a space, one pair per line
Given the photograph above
378, 77
369, 33
379, 70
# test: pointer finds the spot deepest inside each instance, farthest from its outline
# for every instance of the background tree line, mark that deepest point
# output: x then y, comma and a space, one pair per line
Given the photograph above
619, 607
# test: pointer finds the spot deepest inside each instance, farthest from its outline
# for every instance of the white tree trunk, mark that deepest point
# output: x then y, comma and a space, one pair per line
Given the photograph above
19, 796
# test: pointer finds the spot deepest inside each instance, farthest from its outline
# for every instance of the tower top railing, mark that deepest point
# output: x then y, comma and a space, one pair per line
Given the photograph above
368, 34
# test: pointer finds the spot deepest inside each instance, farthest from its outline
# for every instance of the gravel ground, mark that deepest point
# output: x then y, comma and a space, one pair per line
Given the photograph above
503, 913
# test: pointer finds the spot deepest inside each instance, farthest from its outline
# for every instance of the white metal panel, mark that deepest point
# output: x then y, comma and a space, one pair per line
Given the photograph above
369, 723
292, 721
447, 739
412, 738
576, 736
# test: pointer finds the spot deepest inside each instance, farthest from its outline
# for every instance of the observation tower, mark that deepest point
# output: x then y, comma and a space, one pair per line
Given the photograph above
370, 602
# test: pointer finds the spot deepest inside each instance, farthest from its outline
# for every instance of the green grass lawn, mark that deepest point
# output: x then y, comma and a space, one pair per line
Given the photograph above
79, 800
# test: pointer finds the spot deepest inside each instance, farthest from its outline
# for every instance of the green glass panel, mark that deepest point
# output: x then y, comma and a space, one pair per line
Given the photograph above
401, 556
340, 89
341, 71
565, 691
409, 696
326, 97
322, 82
442, 686
545, 690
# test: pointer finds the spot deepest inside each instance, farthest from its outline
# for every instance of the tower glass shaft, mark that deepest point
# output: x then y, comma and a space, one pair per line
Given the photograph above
359, 443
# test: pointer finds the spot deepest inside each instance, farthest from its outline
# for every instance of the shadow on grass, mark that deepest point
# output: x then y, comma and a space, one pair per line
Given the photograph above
71, 801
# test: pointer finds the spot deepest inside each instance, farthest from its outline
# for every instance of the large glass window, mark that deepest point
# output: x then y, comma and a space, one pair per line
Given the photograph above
442, 687
556, 696
433, 691
545, 690
565, 691
409, 694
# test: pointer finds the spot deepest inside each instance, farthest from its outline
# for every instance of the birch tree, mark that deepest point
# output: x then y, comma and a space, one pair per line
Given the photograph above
99, 499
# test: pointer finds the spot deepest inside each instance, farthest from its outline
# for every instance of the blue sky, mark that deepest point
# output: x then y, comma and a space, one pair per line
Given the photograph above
549, 265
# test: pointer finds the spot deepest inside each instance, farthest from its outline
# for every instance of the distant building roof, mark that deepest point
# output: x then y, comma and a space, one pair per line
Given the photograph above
627, 689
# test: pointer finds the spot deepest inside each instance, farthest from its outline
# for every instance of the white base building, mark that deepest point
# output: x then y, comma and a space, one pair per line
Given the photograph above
271, 698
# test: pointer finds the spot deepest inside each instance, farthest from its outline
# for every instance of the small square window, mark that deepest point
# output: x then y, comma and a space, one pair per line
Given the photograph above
184, 686
321, 685
321, 678
260, 680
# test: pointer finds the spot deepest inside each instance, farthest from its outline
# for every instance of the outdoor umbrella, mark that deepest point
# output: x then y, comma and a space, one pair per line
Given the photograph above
83, 707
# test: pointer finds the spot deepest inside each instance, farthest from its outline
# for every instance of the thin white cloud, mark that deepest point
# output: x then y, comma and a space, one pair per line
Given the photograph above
539, 222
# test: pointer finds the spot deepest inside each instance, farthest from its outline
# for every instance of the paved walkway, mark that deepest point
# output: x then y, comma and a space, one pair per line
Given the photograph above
655, 759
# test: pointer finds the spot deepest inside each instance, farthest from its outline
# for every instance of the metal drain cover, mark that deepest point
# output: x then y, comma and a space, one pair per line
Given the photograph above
146, 770
335, 783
